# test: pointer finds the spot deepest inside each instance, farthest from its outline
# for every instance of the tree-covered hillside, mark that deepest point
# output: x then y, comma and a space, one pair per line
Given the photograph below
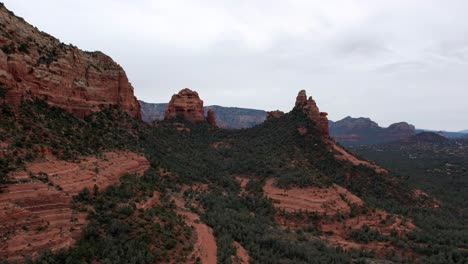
201, 164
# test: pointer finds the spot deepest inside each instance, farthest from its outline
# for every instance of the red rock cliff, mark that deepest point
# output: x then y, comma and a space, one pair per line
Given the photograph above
309, 107
186, 104
35, 64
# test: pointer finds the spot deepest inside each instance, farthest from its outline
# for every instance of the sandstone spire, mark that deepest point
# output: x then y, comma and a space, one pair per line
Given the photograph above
301, 98
309, 107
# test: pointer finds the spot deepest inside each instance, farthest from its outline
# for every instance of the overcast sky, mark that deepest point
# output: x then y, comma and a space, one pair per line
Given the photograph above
392, 60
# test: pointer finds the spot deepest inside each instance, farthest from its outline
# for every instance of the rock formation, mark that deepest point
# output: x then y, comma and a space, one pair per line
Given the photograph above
350, 123
309, 107
35, 216
274, 114
210, 117
301, 98
35, 64
401, 130
186, 104
226, 117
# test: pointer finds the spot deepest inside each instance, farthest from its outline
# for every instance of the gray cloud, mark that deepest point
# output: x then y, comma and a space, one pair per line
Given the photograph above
388, 60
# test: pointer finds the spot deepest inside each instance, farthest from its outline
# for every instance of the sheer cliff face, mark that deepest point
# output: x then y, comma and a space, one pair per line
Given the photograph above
35, 64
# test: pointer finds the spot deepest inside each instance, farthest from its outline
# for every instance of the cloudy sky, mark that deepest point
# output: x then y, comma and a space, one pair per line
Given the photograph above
392, 60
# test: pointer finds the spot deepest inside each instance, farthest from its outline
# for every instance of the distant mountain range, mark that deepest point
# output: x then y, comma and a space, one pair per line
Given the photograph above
447, 134
227, 117
363, 131
424, 137
347, 131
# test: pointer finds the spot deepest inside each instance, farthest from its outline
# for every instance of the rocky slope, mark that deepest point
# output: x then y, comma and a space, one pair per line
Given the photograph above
308, 106
35, 64
280, 192
36, 211
356, 131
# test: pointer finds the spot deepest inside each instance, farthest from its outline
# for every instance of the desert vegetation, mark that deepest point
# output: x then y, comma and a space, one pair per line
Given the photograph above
273, 151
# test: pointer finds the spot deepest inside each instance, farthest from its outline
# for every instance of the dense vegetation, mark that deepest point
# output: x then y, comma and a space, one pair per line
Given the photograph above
118, 232
204, 154
439, 167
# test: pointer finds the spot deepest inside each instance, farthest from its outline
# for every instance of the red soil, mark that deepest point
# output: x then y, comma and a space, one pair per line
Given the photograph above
242, 182
205, 244
72, 177
242, 256
378, 220
330, 200
36, 215
342, 154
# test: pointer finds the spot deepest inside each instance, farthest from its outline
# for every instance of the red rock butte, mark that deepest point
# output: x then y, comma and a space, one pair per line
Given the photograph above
187, 105
34, 64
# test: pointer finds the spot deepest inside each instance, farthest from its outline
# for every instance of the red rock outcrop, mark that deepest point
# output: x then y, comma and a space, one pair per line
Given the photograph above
210, 117
309, 107
274, 114
37, 215
35, 64
330, 200
186, 104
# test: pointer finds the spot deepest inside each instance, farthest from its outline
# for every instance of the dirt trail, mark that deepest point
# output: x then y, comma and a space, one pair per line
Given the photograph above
242, 256
205, 244
36, 215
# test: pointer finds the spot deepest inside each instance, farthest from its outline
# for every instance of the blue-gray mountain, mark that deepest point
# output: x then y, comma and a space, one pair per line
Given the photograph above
348, 131
363, 131
226, 117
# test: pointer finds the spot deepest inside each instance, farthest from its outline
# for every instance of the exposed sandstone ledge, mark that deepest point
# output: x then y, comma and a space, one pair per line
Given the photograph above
35, 64
36, 215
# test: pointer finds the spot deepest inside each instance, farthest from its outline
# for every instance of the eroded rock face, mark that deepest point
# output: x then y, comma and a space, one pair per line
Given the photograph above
210, 118
35, 64
37, 215
309, 107
186, 104
274, 114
